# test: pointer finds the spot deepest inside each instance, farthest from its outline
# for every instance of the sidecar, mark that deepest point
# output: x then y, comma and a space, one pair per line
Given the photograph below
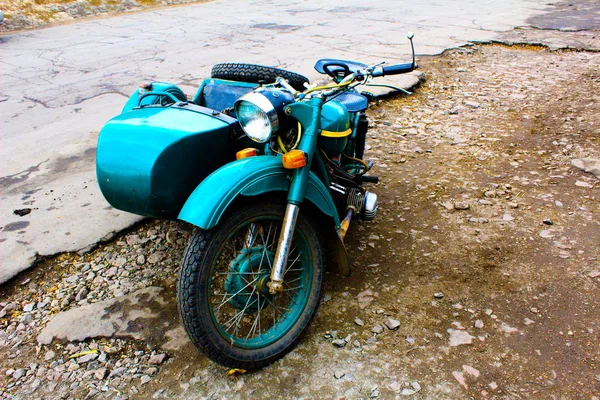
152, 156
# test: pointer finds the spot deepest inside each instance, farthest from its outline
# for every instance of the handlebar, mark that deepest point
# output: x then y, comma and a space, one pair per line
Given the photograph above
394, 69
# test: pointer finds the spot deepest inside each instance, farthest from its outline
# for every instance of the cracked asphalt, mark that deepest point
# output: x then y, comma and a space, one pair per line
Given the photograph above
61, 84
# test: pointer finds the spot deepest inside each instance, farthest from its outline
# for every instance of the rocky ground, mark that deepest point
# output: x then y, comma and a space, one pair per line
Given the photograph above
27, 14
478, 279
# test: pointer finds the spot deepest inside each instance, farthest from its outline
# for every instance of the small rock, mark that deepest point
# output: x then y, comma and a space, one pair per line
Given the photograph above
100, 373
471, 371
339, 374
18, 374
365, 298
157, 359
145, 379
409, 392
392, 324
507, 218
448, 205
9, 372
548, 222
359, 322
507, 328
28, 307
472, 104
438, 295
591, 165
141, 259
461, 205
82, 294
65, 302
35, 384
395, 386
111, 272
339, 342
49, 355
26, 319
377, 329
87, 358
458, 338
133, 239
594, 274
583, 184
513, 205
156, 257
460, 379
478, 324
121, 261
493, 385
117, 372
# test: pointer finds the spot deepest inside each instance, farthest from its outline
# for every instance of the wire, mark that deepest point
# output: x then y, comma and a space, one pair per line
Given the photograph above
335, 85
358, 160
296, 143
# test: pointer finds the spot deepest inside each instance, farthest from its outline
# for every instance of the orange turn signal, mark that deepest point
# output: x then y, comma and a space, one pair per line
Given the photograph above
294, 159
249, 152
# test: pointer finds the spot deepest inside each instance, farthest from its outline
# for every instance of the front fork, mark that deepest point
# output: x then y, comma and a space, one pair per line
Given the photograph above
309, 115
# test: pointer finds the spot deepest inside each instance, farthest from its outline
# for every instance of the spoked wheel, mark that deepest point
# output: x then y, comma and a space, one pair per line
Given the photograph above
223, 298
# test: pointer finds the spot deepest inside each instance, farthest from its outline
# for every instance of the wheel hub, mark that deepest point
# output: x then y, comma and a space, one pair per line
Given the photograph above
248, 275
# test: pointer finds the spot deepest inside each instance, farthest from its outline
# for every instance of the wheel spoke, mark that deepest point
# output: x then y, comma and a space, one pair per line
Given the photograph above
225, 301
238, 317
292, 264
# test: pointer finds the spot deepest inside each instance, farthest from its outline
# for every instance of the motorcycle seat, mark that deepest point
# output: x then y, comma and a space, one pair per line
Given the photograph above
354, 102
219, 94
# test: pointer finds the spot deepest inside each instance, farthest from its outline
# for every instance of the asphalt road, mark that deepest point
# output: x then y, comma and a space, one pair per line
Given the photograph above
60, 85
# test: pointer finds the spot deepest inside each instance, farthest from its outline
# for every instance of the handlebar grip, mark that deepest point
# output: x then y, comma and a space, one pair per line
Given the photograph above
398, 69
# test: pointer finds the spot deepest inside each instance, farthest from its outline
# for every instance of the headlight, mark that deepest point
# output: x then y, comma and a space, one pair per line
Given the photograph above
257, 116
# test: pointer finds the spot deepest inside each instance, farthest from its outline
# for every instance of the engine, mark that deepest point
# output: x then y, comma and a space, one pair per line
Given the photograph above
364, 203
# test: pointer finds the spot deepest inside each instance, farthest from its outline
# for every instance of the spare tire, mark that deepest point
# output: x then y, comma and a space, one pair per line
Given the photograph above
253, 73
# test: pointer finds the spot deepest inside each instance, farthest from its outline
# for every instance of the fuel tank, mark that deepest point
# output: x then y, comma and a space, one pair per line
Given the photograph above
150, 159
335, 125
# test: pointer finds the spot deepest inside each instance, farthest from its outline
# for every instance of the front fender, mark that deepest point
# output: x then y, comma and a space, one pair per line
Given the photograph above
248, 177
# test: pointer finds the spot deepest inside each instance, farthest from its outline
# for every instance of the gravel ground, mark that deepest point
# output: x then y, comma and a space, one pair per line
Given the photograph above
479, 278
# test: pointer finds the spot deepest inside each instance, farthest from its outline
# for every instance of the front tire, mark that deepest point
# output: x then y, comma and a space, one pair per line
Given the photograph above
223, 301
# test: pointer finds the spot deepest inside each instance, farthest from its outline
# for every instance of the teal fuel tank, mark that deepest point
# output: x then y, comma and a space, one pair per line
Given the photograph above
149, 160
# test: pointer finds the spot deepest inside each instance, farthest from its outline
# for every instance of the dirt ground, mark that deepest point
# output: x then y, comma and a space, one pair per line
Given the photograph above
497, 297
27, 14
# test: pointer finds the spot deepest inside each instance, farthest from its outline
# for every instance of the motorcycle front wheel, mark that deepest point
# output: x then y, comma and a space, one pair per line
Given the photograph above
223, 298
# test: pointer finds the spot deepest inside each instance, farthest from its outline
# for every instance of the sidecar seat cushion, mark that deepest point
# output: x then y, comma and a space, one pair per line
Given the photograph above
354, 102
219, 94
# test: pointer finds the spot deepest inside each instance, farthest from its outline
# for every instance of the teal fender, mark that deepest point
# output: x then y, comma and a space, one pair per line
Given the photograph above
248, 177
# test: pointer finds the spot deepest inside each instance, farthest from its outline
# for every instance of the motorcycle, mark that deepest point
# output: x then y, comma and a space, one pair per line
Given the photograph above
270, 170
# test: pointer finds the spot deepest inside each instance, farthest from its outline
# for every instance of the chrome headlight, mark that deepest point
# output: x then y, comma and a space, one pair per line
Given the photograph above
257, 116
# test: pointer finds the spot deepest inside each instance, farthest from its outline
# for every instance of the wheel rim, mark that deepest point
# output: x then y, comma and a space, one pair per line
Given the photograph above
241, 307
